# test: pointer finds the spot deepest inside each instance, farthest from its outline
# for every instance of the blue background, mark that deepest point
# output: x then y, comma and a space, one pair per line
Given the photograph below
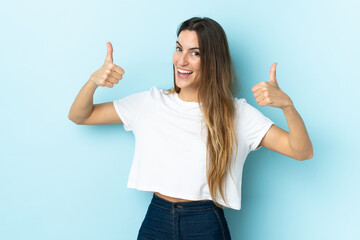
59, 180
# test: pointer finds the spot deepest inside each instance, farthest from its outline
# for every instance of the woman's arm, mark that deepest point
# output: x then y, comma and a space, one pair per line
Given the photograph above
82, 110
295, 143
83, 106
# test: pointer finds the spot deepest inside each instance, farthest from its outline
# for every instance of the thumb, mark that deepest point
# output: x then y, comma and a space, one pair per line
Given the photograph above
272, 78
109, 56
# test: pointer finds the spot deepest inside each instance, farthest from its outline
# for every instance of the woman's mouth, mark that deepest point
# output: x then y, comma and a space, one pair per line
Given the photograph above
183, 74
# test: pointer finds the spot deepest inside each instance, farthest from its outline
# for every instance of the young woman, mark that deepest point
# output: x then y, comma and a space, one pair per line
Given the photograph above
192, 140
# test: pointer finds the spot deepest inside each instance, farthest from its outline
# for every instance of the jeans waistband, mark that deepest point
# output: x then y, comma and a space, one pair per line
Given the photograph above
193, 205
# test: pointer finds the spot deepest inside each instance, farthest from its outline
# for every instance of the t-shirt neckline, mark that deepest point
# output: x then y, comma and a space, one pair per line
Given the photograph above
184, 103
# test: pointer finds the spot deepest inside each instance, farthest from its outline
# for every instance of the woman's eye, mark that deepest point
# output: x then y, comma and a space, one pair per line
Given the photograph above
196, 53
178, 48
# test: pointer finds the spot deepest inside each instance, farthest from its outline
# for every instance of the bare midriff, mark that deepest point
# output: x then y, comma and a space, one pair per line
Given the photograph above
172, 199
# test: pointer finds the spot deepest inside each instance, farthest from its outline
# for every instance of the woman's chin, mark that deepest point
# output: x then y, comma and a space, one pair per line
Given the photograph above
183, 83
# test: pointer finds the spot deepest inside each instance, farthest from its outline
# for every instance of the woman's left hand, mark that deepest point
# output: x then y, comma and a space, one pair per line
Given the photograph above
270, 94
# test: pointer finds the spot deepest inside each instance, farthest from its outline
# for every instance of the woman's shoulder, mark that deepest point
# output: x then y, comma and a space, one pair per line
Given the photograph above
158, 90
240, 101
243, 106
151, 91
160, 94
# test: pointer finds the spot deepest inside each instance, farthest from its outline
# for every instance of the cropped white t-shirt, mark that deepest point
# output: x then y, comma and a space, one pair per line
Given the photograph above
170, 145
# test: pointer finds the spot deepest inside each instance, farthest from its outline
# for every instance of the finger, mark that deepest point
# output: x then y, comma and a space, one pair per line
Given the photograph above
262, 103
116, 75
259, 99
255, 88
260, 90
109, 55
259, 85
108, 84
112, 80
257, 93
102, 82
118, 69
273, 73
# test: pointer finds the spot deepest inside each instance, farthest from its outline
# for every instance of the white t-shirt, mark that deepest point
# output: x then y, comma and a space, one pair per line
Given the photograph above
170, 145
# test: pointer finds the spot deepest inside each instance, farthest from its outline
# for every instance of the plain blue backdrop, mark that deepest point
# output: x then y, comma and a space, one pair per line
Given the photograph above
59, 180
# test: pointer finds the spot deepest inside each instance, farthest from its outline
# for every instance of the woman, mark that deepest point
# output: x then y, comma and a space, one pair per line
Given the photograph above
192, 140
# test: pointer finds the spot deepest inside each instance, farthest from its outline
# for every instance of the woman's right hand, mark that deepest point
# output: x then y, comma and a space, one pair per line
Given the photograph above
109, 74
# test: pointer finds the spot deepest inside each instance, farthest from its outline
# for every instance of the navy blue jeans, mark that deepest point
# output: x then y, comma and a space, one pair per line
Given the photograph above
201, 220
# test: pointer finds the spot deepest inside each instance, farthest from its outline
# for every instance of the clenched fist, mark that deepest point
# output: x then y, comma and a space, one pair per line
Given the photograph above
109, 74
270, 94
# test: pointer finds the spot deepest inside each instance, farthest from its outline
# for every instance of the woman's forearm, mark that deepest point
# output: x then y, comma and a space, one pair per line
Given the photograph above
83, 104
299, 139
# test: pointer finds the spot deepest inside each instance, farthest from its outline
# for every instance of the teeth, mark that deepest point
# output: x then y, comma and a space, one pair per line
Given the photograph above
181, 71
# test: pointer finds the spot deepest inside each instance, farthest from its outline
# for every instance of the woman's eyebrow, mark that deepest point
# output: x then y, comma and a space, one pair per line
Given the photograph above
189, 48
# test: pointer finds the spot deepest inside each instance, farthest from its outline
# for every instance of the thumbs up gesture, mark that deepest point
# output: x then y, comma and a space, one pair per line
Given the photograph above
109, 74
270, 94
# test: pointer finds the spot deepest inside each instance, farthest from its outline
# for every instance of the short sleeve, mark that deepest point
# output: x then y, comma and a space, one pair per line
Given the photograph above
128, 108
254, 125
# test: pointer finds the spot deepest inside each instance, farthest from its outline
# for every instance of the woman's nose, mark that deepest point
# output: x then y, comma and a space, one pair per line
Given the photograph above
183, 59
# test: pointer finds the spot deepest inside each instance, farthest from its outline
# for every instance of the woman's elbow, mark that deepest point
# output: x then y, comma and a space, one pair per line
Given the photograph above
305, 157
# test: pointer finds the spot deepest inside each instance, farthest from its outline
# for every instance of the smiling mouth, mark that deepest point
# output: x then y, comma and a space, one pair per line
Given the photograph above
184, 71
184, 74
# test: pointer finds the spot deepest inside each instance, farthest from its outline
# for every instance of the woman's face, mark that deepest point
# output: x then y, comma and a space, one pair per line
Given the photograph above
186, 60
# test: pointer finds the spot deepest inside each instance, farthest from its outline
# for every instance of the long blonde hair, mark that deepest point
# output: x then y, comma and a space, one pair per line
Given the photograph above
215, 94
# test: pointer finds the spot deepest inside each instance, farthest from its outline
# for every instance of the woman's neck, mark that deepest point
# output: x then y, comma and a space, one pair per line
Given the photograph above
188, 95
